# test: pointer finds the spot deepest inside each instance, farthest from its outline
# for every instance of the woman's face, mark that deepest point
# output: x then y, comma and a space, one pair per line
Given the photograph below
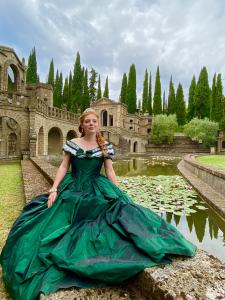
90, 123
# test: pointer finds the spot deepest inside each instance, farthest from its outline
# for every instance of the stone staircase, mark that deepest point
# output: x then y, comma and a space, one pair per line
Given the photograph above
182, 145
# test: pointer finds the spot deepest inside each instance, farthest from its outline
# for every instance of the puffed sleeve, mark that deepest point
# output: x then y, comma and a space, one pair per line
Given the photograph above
69, 148
110, 151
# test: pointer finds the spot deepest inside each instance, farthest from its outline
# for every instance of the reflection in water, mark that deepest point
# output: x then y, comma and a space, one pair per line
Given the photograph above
149, 167
204, 228
199, 219
208, 233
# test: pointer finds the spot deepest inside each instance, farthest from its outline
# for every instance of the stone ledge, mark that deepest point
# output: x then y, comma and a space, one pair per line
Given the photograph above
201, 277
188, 168
190, 158
46, 169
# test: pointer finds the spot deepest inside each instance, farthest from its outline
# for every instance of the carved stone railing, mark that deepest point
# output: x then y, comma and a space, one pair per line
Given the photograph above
18, 100
54, 112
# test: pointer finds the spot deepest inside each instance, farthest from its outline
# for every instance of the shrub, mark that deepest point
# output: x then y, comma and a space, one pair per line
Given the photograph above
164, 128
202, 130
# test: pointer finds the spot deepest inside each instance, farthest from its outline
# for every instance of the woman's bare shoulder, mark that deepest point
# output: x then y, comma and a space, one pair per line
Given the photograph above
75, 140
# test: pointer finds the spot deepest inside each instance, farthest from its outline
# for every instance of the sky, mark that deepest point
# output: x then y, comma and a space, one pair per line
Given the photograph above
179, 36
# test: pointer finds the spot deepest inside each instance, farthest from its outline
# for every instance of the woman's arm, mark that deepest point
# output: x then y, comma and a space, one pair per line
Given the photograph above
61, 172
110, 173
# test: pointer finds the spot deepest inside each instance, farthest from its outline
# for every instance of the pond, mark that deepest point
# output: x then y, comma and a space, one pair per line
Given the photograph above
155, 183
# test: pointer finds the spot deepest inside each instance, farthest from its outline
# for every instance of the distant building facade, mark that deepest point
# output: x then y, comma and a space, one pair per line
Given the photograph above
31, 126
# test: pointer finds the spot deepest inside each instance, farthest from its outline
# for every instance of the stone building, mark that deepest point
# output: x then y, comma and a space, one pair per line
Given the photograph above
31, 126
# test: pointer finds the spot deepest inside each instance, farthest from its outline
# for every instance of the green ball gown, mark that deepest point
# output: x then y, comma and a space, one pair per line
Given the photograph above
94, 235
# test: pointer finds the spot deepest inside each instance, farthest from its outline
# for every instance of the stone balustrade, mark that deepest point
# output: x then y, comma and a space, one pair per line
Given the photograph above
54, 112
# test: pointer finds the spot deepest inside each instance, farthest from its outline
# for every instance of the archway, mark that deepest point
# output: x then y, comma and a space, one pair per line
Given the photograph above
104, 117
12, 142
54, 141
135, 147
12, 76
41, 141
10, 137
71, 134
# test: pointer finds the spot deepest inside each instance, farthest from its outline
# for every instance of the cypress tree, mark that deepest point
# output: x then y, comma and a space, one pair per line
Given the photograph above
66, 92
106, 91
77, 84
191, 104
56, 90
164, 103
92, 85
202, 95
157, 100
131, 90
213, 99
171, 109
123, 92
99, 92
60, 95
219, 99
69, 101
85, 96
145, 93
51, 74
150, 95
32, 76
181, 109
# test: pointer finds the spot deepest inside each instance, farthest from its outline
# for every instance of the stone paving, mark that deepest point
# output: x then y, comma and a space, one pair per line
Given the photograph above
34, 182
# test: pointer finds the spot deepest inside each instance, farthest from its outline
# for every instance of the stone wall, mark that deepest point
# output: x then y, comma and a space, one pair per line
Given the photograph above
207, 180
182, 145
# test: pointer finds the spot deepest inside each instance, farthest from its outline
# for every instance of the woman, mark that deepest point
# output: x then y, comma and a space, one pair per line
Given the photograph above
86, 232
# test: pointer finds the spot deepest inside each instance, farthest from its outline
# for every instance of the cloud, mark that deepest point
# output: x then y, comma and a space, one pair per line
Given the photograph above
179, 36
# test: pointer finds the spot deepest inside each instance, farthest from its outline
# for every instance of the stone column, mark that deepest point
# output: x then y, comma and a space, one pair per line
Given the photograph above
33, 142
220, 141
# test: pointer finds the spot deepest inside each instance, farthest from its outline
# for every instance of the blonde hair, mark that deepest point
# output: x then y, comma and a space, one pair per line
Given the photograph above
99, 138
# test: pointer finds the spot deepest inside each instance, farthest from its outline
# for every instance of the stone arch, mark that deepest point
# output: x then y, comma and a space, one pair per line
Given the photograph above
71, 134
135, 147
104, 118
40, 145
23, 123
10, 137
55, 141
12, 79
223, 144
16, 74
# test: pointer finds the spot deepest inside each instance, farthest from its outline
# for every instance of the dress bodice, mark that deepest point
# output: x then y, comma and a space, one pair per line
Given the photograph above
87, 164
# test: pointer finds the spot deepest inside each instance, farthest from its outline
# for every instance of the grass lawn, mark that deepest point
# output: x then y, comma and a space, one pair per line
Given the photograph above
11, 203
214, 160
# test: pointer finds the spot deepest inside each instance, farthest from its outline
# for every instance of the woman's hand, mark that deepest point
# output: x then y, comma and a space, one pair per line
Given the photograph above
51, 198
